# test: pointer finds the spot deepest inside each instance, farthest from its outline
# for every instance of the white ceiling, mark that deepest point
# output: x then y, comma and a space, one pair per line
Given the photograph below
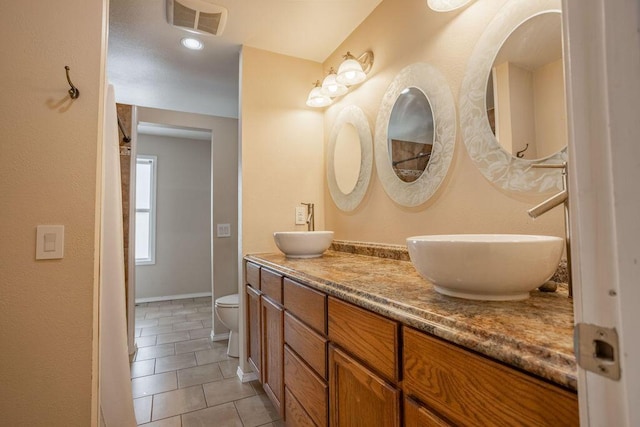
148, 66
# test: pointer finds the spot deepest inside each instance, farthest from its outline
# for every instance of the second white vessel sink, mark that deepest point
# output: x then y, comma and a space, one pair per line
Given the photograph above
495, 267
303, 244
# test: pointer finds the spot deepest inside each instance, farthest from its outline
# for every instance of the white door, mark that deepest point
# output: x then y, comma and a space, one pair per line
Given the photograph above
602, 42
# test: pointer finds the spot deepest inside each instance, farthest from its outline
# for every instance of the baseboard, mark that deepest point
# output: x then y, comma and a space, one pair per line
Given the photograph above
219, 337
171, 297
245, 377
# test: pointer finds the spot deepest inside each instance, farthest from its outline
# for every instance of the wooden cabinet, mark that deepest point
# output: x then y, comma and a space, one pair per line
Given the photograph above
471, 390
305, 354
323, 361
265, 330
254, 331
416, 415
359, 397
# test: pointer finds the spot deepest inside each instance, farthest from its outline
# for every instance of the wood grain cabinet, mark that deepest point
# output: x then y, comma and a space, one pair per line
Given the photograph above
471, 390
265, 330
305, 355
363, 367
359, 397
323, 361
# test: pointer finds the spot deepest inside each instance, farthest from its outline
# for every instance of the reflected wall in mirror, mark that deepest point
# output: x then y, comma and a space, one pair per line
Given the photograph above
349, 158
424, 124
525, 91
410, 134
515, 21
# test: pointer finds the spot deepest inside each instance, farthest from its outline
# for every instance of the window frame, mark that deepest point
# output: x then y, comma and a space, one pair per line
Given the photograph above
147, 158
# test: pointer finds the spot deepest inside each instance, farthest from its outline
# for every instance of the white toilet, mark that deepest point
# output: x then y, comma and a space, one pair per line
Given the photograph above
227, 311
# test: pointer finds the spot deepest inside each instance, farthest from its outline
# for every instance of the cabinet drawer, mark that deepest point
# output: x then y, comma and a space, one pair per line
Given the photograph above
470, 389
311, 346
307, 304
271, 284
294, 413
252, 275
366, 335
309, 389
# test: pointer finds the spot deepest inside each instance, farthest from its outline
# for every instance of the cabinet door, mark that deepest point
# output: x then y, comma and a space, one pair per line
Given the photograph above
254, 353
416, 415
272, 319
358, 397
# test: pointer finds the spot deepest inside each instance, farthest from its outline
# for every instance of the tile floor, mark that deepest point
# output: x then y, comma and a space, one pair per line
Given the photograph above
180, 378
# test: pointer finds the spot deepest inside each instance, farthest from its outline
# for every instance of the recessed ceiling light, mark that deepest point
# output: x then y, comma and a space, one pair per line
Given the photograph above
191, 43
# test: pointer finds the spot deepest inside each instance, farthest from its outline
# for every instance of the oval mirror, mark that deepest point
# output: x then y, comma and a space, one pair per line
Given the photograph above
522, 35
415, 134
349, 158
410, 134
525, 90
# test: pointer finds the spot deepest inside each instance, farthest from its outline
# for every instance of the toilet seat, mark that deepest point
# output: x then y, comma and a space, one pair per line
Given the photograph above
228, 301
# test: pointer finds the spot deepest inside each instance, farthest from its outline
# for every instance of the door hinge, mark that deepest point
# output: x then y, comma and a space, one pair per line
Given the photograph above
597, 350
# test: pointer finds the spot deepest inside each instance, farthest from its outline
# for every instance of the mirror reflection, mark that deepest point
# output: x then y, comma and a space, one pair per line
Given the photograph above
525, 90
347, 158
410, 134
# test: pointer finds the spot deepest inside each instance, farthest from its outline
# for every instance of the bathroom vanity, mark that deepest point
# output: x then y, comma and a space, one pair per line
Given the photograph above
352, 339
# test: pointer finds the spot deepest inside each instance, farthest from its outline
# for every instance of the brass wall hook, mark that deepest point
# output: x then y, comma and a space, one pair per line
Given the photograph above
74, 92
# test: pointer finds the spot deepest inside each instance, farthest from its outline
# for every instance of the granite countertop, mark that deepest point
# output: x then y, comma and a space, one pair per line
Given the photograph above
534, 335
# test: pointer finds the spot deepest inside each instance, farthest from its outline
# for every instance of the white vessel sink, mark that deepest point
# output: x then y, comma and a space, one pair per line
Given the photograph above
495, 267
303, 244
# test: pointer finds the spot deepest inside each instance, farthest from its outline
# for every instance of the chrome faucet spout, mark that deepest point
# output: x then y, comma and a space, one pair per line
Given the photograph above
311, 226
562, 198
548, 204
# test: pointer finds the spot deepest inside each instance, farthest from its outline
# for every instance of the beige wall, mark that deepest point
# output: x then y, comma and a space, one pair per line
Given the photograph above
224, 166
401, 32
551, 116
282, 146
49, 152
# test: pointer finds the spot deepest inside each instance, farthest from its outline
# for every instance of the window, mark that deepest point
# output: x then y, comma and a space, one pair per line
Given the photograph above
146, 209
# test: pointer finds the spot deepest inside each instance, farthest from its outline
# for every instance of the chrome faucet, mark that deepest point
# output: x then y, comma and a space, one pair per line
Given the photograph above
561, 198
311, 226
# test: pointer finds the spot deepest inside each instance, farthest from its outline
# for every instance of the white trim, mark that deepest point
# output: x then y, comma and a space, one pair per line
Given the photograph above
131, 260
245, 377
153, 191
219, 337
602, 99
171, 297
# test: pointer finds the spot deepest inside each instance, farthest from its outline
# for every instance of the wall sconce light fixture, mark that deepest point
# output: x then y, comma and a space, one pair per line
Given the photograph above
317, 98
351, 72
446, 5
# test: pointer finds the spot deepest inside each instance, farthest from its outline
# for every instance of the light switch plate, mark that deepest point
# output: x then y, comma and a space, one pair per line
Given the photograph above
301, 215
50, 242
224, 230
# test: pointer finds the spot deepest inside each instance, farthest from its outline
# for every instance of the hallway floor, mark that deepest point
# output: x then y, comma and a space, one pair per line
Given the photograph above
180, 378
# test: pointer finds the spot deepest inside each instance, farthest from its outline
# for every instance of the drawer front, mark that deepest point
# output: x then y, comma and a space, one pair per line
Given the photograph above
366, 335
252, 274
309, 389
311, 346
294, 413
470, 389
271, 284
307, 304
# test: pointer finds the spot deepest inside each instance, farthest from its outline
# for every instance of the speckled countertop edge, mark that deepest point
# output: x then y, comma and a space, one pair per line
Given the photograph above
388, 287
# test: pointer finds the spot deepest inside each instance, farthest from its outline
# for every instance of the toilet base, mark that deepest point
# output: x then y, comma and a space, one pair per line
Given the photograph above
233, 347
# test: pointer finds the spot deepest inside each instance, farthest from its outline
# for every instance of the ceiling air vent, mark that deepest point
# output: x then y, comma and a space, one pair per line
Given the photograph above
197, 16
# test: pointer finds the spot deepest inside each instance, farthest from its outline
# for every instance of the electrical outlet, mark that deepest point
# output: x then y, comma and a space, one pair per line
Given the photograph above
301, 215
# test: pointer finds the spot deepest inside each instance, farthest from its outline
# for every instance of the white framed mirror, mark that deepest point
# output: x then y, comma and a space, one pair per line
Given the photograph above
415, 134
349, 158
517, 68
